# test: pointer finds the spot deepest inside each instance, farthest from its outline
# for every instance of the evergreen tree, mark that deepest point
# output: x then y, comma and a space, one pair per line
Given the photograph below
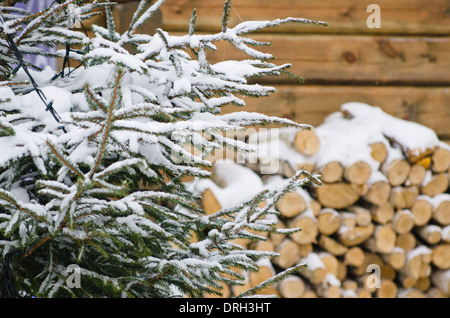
92, 159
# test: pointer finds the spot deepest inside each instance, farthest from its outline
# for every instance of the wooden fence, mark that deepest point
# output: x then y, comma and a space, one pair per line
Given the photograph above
403, 66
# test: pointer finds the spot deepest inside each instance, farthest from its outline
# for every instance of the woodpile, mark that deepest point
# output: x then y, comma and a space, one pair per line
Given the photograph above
384, 202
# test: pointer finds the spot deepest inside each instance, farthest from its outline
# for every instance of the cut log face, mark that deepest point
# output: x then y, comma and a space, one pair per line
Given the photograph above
406, 241
440, 160
383, 213
417, 262
332, 246
403, 221
422, 211
440, 256
330, 262
396, 259
363, 293
363, 215
336, 195
267, 246
358, 173
403, 197
210, 203
305, 249
329, 221
354, 256
378, 193
348, 219
276, 239
265, 272
291, 204
350, 285
309, 294
423, 284
442, 213
309, 227
397, 171
360, 189
383, 240
292, 287
332, 172
441, 279
437, 185
378, 151
315, 207
289, 254
407, 281
416, 174
387, 289
356, 235
431, 233
315, 270
446, 234
307, 142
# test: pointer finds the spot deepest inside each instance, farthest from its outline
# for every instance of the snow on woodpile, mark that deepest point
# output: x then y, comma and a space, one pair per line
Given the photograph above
384, 204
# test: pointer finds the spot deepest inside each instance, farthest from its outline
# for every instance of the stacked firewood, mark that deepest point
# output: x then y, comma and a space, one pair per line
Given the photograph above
379, 226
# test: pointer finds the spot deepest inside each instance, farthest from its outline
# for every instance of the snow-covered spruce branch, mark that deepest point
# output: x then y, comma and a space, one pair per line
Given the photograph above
110, 194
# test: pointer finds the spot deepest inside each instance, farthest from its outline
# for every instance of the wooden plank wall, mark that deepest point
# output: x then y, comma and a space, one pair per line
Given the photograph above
403, 67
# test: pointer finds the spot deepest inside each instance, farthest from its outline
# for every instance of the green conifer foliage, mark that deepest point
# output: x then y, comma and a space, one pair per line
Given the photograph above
102, 189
